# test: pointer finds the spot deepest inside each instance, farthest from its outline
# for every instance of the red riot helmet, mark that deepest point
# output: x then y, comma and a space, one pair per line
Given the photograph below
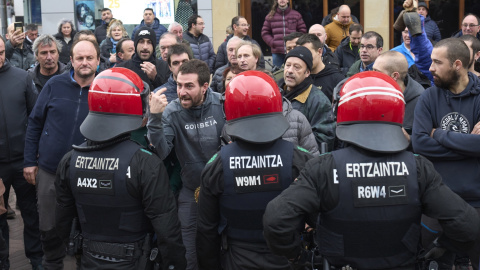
370, 113
253, 108
117, 103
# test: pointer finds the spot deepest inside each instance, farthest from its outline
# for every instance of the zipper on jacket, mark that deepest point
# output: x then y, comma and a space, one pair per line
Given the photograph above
6, 131
77, 113
283, 16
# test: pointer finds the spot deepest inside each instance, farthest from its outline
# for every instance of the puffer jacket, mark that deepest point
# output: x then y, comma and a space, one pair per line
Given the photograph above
300, 132
202, 48
336, 32
281, 24
21, 58
422, 48
171, 85
156, 26
217, 79
431, 28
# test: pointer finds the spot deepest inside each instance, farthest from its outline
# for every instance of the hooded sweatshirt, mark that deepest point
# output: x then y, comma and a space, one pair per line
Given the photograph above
412, 93
454, 152
327, 79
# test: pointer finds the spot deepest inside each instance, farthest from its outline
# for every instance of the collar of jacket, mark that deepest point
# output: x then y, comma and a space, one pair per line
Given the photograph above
154, 25
302, 98
337, 22
137, 61
6, 66
284, 11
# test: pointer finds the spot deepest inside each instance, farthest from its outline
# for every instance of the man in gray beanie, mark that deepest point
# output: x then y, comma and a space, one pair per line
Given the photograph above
307, 98
152, 70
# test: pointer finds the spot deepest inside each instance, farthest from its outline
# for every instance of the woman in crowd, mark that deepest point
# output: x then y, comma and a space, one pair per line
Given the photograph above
115, 32
281, 21
66, 32
228, 74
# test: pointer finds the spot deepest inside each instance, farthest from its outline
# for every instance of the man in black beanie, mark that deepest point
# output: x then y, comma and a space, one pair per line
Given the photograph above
152, 70
307, 98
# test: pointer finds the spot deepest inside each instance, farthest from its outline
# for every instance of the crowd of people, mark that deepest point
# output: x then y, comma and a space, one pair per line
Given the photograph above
166, 154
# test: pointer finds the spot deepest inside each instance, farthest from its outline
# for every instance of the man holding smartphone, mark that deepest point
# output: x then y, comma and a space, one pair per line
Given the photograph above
18, 49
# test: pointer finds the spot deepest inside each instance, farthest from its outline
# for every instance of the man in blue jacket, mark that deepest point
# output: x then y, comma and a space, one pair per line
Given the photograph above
53, 127
431, 27
446, 130
470, 26
150, 21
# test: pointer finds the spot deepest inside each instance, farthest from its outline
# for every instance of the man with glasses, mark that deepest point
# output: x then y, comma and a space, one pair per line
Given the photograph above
371, 45
470, 26
201, 45
240, 28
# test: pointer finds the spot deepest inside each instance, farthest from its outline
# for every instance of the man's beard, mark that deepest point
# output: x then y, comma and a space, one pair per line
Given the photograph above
450, 79
85, 76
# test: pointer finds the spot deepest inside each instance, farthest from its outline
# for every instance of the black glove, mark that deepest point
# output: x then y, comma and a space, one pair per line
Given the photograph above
435, 253
304, 258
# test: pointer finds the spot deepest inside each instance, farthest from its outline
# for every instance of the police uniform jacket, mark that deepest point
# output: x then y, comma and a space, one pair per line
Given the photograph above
210, 203
317, 190
147, 181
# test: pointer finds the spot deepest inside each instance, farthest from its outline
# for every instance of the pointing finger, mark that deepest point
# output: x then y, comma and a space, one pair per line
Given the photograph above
160, 91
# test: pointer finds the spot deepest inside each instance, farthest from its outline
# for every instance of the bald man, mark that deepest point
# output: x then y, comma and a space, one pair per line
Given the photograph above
328, 57
339, 27
470, 26
395, 65
473, 45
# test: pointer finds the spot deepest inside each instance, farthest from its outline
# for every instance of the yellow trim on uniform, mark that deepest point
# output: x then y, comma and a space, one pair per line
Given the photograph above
302, 98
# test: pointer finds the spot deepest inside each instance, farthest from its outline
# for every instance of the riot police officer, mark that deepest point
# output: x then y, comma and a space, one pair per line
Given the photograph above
371, 194
239, 180
117, 189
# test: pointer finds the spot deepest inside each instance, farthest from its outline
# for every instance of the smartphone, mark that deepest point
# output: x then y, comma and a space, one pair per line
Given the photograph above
18, 26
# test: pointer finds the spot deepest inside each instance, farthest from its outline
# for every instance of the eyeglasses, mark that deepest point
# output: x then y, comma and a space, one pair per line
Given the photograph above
469, 25
201, 23
245, 25
368, 47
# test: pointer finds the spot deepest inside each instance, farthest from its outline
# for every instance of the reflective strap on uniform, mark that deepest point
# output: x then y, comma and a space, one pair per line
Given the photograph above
126, 251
